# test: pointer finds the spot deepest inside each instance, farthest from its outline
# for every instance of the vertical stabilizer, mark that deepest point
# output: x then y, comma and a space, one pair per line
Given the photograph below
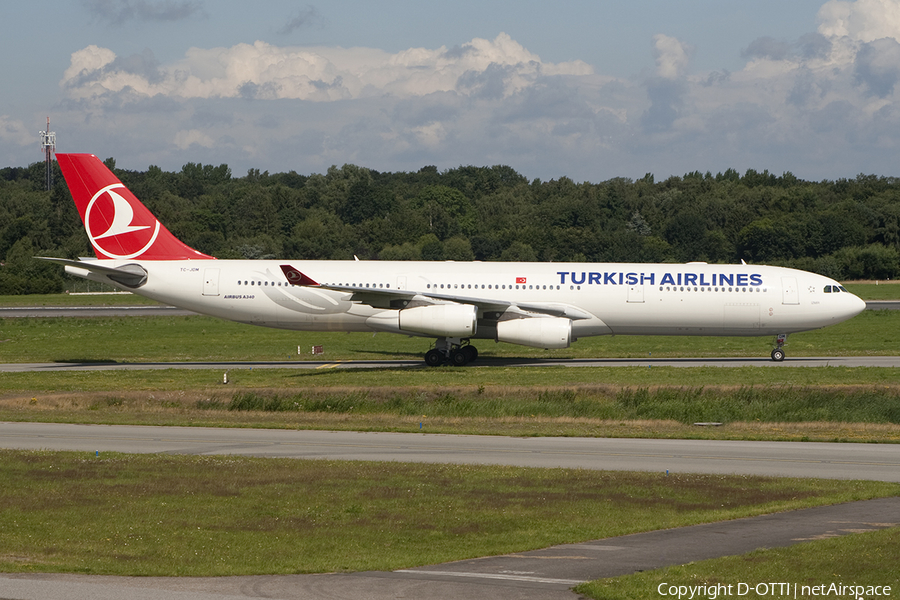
117, 223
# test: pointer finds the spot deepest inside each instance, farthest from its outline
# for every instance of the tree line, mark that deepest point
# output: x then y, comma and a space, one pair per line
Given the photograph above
846, 228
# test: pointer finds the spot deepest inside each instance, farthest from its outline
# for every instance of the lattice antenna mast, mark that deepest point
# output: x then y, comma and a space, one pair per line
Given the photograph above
48, 147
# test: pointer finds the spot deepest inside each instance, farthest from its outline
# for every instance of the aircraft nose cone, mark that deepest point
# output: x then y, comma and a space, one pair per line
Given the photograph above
853, 305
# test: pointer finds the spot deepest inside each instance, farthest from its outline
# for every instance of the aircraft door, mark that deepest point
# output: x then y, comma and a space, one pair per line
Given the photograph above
635, 293
211, 282
789, 292
401, 282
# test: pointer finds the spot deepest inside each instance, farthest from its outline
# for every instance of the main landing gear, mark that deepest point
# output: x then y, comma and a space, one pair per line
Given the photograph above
451, 351
778, 352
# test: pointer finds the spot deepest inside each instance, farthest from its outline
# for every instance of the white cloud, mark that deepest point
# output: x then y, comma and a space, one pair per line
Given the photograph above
264, 71
87, 61
826, 104
862, 20
672, 56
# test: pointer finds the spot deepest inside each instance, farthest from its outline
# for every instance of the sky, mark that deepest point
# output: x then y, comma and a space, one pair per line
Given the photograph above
584, 89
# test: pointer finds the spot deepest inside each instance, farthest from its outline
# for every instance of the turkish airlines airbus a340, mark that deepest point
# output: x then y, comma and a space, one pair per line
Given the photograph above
545, 305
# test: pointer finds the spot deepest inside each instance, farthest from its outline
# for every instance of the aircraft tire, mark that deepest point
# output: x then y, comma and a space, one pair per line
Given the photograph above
778, 355
434, 358
471, 352
459, 357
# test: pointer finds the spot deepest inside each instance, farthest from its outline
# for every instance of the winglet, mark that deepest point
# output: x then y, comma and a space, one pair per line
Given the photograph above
295, 277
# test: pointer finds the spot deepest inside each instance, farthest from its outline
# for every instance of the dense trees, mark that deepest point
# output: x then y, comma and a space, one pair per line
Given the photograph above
848, 229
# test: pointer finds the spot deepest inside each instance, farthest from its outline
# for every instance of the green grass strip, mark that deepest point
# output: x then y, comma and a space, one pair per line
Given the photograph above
197, 338
829, 404
213, 516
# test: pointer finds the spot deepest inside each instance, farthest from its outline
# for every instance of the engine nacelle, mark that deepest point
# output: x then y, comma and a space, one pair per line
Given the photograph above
537, 332
440, 320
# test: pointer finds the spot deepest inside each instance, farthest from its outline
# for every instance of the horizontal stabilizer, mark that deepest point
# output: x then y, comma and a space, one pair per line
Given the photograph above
132, 276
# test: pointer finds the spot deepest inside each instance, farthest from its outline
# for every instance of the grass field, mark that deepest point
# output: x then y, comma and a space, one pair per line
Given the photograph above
207, 515
836, 404
198, 338
870, 290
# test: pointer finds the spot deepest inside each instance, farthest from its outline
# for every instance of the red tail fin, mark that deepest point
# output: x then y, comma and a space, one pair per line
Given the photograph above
117, 223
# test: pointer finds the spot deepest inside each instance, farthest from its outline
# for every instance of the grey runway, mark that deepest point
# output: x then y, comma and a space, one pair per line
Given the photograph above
879, 462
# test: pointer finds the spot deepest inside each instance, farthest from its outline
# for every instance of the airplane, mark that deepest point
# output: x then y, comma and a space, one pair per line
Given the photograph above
543, 305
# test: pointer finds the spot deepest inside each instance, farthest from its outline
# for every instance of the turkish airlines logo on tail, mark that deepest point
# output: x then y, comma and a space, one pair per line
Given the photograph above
294, 277
113, 227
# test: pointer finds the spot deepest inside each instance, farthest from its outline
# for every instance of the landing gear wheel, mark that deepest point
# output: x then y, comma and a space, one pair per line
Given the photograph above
471, 352
459, 357
778, 355
434, 358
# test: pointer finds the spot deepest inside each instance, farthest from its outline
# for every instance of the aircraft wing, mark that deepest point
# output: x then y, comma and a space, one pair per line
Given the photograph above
396, 298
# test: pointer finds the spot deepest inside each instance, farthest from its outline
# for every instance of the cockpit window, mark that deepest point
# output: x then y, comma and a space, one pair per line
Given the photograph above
842, 288
827, 289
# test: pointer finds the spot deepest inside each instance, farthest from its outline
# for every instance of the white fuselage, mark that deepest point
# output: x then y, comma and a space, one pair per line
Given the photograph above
605, 298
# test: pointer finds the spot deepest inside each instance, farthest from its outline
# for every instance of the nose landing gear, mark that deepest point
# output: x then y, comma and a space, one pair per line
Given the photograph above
778, 352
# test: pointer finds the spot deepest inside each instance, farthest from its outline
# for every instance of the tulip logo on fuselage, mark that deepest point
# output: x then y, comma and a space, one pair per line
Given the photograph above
126, 235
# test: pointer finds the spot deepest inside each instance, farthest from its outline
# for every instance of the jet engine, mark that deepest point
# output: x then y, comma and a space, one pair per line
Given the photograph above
435, 320
440, 320
550, 332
